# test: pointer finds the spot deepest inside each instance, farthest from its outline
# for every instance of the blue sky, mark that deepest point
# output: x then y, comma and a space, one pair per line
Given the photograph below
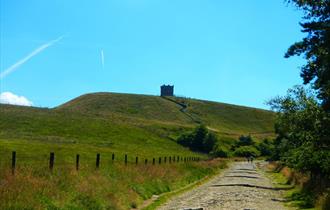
226, 51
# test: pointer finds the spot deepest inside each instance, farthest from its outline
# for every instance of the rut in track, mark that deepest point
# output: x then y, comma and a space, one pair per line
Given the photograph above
240, 187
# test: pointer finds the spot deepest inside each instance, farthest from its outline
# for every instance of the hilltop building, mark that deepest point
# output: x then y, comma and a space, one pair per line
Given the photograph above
167, 90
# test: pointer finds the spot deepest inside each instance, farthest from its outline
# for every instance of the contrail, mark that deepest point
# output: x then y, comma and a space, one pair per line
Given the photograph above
28, 57
102, 58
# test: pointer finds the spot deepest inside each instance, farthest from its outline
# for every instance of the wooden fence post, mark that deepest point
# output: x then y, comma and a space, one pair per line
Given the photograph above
13, 162
113, 157
125, 159
174, 159
160, 160
97, 160
136, 160
178, 159
77, 162
164, 159
153, 161
169, 159
146, 161
51, 160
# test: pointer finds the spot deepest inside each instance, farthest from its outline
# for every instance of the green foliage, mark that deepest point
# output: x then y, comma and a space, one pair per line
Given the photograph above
326, 203
301, 142
266, 148
218, 151
246, 146
303, 199
245, 141
315, 46
246, 151
209, 142
199, 140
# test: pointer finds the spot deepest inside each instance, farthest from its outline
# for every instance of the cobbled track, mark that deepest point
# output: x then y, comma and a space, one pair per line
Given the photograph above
240, 187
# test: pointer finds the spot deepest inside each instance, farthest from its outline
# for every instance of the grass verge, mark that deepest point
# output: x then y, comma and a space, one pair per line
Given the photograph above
304, 195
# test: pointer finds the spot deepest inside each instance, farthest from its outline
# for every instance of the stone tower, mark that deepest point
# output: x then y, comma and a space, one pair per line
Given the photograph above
167, 90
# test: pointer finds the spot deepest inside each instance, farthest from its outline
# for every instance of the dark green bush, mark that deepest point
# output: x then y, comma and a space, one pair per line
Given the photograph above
199, 140
266, 148
219, 152
246, 151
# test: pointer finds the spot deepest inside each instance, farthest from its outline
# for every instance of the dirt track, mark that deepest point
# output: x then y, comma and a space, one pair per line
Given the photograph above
240, 187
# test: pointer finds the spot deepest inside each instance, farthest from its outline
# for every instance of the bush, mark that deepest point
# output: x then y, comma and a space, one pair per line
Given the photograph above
246, 151
199, 140
265, 148
209, 142
186, 140
245, 141
219, 152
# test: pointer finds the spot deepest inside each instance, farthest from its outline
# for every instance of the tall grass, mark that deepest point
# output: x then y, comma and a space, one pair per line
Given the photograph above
113, 186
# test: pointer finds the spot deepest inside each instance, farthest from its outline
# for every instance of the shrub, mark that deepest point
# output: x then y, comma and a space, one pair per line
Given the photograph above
199, 140
245, 141
246, 151
265, 148
219, 152
186, 140
209, 142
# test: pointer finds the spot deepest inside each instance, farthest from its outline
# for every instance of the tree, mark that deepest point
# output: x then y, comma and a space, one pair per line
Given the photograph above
315, 47
265, 148
199, 140
209, 142
200, 134
301, 142
245, 141
186, 140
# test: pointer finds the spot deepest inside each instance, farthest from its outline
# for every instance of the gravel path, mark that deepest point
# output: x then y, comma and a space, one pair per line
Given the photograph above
240, 187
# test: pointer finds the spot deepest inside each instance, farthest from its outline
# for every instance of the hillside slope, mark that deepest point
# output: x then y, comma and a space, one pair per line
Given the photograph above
137, 124
221, 117
108, 123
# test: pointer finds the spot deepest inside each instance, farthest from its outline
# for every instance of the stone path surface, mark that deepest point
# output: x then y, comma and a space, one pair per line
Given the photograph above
240, 187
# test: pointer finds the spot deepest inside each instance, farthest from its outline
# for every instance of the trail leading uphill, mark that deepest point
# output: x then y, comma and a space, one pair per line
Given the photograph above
240, 187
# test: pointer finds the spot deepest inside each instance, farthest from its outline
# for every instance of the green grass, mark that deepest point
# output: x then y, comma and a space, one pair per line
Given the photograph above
295, 195
125, 123
106, 123
224, 118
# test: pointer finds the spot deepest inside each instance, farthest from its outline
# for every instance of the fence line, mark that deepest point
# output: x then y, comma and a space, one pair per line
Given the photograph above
161, 160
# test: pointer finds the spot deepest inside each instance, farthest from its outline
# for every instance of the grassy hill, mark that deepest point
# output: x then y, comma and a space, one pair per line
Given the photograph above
224, 118
138, 124
106, 123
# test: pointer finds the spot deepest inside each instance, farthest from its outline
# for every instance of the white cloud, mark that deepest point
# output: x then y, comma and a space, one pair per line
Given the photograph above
28, 57
10, 98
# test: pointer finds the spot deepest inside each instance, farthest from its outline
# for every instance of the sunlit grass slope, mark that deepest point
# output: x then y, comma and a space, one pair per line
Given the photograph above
223, 118
131, 105
138, 124
84, 132
107, 123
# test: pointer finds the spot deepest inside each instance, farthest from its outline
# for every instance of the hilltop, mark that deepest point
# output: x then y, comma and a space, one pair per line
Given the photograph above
220, 117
